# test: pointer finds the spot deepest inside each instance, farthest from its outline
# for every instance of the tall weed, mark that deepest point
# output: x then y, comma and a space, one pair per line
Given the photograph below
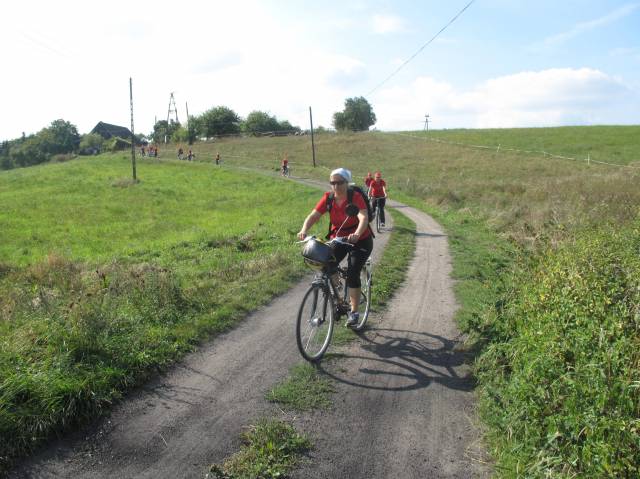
561, 377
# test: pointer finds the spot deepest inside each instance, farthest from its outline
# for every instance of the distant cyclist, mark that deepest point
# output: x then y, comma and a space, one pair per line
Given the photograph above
378, 193
284, 166
355, 229
368, 179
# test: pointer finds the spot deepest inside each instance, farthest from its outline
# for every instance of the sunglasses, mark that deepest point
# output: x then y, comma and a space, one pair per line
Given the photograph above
336, 183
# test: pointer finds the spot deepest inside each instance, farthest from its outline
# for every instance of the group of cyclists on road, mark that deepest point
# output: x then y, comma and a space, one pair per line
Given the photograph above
354, 229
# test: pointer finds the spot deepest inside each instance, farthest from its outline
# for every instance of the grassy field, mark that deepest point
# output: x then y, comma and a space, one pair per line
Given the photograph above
102, 282
522, 197
546, 272
545, 258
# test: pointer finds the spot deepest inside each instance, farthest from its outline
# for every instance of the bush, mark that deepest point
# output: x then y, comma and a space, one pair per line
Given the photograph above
562, 376
73, 337
91, 143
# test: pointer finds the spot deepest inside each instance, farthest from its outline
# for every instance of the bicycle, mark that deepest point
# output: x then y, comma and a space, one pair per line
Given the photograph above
285, 171
376, 212
325, 302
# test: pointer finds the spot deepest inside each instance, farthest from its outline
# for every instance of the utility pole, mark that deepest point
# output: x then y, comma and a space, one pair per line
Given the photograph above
133, 138
172, 109
313, 147
186, 106
426, 123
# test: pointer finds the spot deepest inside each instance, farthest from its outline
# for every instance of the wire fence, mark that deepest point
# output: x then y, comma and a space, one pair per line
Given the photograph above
500, 148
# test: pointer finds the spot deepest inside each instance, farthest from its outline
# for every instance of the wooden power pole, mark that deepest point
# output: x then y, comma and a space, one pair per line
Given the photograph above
133, 137
313, 146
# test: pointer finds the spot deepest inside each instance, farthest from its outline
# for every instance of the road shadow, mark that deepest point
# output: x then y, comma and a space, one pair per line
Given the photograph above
399, 360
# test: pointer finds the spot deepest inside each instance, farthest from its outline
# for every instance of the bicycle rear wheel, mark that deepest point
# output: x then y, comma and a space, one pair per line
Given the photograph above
365, 295
314, 326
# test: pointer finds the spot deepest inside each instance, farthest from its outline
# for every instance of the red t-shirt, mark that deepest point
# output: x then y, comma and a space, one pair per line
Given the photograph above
367, 181
376, 188
338, 215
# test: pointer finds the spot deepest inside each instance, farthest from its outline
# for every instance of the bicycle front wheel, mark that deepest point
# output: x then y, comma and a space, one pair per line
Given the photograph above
378, 218
315, 323
365, 295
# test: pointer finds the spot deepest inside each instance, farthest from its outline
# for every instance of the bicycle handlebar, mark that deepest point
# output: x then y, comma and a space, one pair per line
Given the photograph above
336, 240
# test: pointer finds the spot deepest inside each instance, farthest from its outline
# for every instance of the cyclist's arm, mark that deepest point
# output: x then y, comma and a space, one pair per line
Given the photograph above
384, 190
363, 222
312, 219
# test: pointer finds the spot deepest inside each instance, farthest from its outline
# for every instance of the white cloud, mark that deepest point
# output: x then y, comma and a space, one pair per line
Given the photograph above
633, 53
551, 97
387, 24
583, 27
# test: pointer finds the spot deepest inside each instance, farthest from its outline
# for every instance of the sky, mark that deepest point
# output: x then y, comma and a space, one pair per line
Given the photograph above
502, 63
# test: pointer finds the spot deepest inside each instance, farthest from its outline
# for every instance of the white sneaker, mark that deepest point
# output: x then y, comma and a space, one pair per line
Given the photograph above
352, 319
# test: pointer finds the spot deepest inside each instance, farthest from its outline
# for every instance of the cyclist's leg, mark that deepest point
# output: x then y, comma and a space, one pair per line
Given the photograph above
382, 203
339, 252
356, 262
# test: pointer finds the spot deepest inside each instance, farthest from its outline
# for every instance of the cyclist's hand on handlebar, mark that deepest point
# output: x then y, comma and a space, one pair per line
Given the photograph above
353, 238
301, 235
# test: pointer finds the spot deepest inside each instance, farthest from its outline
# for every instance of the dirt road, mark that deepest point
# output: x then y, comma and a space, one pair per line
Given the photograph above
404, 406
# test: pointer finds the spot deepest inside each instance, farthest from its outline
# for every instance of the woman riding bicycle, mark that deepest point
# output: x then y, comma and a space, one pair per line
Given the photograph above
355, 229
378, 193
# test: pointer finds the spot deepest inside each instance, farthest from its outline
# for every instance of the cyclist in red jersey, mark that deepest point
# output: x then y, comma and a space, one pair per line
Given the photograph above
368, 179
378, 192
355, 229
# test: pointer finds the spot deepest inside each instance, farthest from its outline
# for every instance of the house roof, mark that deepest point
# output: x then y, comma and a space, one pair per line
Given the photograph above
106, 130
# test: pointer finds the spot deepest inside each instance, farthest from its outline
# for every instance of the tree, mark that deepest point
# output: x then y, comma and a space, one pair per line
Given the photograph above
357, 115
60, 137
163, 129
218, 121
260, 122
286, 126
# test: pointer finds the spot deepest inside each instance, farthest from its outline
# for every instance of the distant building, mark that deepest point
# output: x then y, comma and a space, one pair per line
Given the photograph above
106, 131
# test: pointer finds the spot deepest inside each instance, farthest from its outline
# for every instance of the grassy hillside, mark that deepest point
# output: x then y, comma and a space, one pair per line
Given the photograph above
524, 197
102, 282
545, 259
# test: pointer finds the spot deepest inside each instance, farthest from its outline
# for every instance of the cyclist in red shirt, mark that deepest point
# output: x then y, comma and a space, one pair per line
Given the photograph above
368, 179
356, 229
378, 193
284, 166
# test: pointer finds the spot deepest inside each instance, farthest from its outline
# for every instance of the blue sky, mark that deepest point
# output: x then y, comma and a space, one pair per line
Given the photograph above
500, 64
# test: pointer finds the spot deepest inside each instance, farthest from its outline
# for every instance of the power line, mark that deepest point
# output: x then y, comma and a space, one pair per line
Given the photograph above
421, 48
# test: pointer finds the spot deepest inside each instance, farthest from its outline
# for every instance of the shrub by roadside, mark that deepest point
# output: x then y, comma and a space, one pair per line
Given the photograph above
561, 376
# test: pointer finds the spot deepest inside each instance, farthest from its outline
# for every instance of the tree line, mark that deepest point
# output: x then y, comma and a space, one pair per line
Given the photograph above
61, 139
219, 121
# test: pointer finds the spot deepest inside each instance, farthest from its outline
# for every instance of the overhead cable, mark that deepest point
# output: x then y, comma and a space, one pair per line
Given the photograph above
421, 48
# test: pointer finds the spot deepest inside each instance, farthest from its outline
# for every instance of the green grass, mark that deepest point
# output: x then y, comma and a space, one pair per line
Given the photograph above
77, 331
518, 224
513, 220
79, 211
561, 377
271, 448
304, 389
611, 144
529, 199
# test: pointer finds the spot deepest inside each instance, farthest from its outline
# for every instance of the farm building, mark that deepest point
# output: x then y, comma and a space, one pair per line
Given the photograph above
106, 131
